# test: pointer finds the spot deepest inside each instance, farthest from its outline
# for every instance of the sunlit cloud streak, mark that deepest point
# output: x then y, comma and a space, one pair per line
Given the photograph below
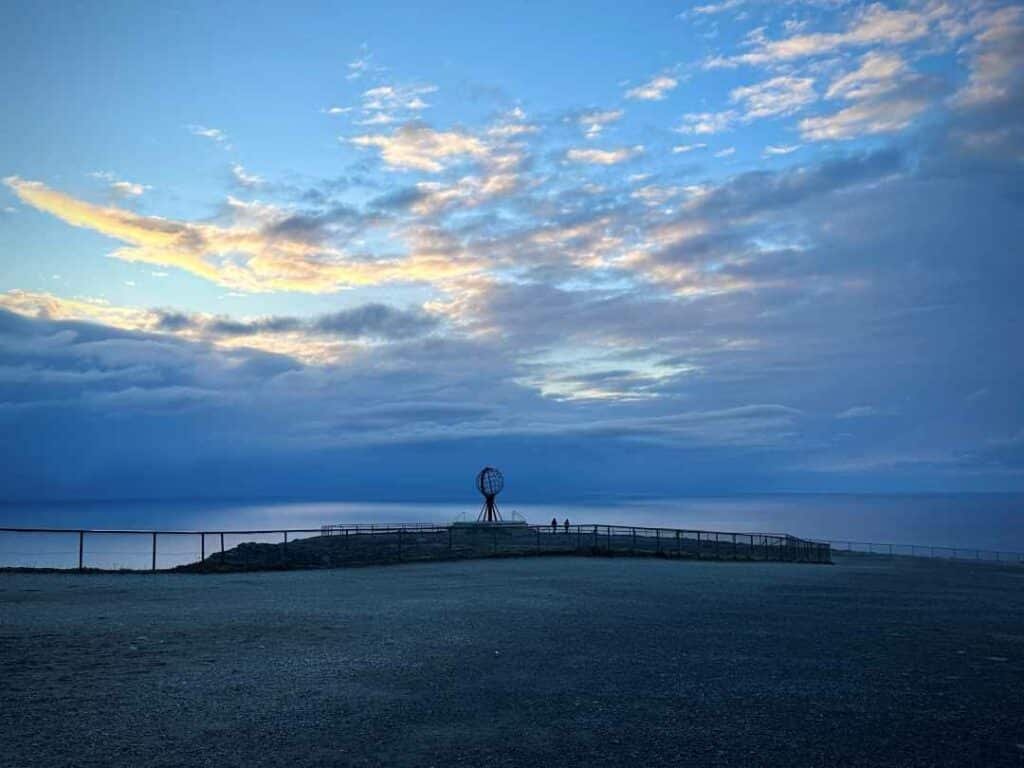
274, 251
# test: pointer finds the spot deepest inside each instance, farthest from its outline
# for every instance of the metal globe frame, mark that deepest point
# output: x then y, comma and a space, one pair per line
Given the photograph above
489, 481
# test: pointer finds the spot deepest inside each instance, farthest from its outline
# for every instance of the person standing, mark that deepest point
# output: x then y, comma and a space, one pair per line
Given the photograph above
554, 524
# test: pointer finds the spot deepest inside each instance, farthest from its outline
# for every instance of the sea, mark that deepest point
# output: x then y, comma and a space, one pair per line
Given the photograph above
980, 521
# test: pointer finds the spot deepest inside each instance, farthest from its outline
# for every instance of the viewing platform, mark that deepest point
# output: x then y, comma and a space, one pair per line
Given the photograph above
340, 545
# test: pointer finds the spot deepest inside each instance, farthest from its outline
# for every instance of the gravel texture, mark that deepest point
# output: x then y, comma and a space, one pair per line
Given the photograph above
518, 662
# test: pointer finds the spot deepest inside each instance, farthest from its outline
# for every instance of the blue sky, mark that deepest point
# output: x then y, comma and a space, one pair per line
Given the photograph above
722, 247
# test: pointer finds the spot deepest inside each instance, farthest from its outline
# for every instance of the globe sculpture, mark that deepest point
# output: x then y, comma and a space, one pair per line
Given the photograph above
489, 481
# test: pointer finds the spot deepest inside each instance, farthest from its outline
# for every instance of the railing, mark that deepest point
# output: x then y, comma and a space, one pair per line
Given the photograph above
152, 550
104, 548
924, 550
340, 528
336, 545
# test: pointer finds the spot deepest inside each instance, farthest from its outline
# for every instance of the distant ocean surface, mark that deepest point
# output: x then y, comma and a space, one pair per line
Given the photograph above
986, 521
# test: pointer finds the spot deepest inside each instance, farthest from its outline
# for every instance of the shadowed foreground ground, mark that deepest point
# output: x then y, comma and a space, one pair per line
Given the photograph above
547, 661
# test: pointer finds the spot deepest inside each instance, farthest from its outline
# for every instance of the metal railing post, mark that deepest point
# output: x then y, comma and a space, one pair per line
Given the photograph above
399, 543
634, 541
202, 547
81, 549
153, 567
679, 545
222, 542
657, 539
698, 545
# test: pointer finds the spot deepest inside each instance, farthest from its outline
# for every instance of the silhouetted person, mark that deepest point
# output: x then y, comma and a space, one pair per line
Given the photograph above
567, 525
554, 524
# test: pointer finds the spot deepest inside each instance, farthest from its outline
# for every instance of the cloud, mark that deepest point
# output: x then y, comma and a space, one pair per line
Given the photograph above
865, 118
655, 194
996, 59
358, 67
415, 147
213, 134
392, 103
748, 425
727, 152
269, 249
120, 188
716, 8
593, 121
782, 95
653, 90
309, 339
886, 96
243, 178
429, 198
858, 412
760, 192
376, 321
684, 148
874, 76
775, 97
713, 245
603, 156
707, 123
871, 26
362, 399
379, 118
127, 188
368, 321
780, 149
397, 97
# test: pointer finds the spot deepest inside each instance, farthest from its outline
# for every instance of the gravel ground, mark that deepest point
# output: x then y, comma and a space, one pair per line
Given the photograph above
541, 661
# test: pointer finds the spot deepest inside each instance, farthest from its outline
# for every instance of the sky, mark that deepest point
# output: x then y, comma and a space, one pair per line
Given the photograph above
361, 250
